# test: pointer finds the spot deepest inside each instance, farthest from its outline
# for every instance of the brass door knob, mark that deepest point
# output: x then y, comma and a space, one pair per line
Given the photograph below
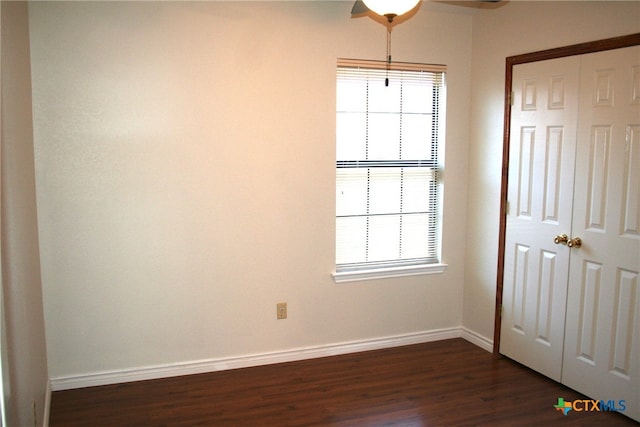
561, 239
576, 242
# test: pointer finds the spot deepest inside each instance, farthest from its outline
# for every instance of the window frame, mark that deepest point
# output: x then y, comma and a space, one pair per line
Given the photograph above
348, 272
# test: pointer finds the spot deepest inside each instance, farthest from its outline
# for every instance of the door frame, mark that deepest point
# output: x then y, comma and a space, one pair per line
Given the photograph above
511, 61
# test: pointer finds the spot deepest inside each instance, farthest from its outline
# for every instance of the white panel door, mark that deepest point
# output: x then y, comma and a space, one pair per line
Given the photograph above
602, 333
540, 195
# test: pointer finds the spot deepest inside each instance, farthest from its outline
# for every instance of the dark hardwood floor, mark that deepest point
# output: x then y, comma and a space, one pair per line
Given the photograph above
444, 383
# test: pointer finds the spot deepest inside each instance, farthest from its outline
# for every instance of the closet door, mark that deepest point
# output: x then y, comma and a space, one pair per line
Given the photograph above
540, 196
602, 333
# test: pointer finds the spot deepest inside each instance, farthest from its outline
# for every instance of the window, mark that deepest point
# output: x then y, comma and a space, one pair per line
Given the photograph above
388, 165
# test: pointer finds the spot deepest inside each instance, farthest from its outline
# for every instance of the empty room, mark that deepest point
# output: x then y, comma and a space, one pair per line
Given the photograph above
320, 213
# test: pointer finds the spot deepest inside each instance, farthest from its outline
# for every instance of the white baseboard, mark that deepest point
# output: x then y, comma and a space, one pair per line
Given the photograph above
477, 339
212, 365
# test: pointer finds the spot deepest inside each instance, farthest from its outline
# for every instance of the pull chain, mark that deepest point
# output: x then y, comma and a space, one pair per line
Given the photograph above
386, 80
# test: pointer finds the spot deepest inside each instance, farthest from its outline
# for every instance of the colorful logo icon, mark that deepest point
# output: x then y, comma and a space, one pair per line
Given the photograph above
563, 406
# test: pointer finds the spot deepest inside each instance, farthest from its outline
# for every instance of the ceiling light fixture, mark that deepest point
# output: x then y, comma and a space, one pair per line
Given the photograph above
390, 9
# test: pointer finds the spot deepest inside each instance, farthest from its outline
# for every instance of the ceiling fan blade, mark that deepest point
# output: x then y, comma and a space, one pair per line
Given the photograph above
359, 7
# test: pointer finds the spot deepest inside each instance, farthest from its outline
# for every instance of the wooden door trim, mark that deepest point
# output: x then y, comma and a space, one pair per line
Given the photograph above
511, 61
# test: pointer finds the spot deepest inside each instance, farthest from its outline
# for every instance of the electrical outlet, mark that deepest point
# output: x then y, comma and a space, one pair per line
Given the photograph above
281, 308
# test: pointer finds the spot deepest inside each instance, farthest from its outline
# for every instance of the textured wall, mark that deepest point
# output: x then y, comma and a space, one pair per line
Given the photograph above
185, 159
25, 377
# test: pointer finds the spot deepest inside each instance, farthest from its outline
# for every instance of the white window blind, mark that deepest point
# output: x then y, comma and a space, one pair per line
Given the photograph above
388, 140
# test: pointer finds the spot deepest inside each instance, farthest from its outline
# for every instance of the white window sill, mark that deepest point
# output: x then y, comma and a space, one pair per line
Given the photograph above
385, 273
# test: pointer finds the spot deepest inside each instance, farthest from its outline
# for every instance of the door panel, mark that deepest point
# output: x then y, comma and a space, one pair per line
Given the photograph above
540, 191
602, 338
631, 190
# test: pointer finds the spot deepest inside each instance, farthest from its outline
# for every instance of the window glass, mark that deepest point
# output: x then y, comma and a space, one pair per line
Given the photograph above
387, 168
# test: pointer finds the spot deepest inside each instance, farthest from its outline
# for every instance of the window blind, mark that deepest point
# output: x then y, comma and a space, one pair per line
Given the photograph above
387, 165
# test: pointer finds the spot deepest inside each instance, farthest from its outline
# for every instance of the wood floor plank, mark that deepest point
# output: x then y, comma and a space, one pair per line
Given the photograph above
444, 383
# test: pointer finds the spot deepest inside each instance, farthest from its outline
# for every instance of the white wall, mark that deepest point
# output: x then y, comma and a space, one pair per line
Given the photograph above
24, 356
515, 28
185, 159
